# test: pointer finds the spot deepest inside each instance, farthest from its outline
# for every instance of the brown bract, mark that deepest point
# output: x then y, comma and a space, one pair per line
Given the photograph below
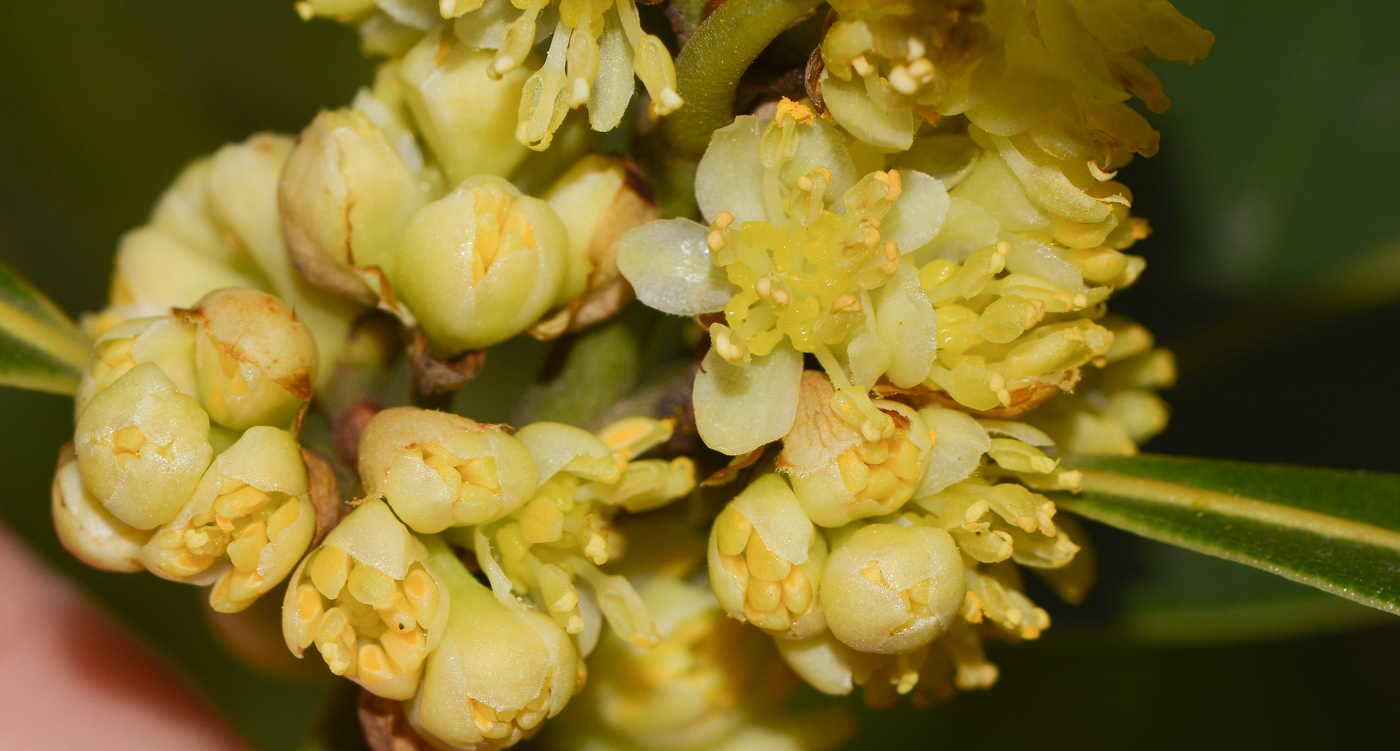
254, 327
730, 472
432, 376
818, 435
385, 727
325, 494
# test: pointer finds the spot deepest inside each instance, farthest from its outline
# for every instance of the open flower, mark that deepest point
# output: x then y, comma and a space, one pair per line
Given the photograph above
595, 49
802, 256
550, 550
370, 601
246, 527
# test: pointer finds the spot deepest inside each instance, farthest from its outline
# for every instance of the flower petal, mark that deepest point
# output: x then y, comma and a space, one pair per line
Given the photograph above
739, 408
668, 264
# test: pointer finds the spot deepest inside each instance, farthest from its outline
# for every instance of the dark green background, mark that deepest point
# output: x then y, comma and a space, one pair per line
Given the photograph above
1280, 165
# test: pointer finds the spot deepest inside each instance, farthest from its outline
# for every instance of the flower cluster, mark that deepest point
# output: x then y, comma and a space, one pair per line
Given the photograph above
895, 335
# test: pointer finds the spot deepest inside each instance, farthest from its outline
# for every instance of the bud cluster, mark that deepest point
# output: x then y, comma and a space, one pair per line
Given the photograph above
388, 599
402, 200
182, 461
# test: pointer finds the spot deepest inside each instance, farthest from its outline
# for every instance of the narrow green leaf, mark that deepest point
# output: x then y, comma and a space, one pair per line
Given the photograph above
1337, 531
40, 349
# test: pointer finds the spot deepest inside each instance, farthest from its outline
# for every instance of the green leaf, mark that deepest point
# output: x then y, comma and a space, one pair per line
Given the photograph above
1181, 597
40, 349
1337, 531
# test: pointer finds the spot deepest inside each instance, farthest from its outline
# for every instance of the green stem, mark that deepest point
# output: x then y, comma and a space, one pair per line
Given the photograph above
710, 65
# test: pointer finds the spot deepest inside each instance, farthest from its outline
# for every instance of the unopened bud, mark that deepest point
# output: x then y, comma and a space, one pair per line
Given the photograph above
498, 672
766, 560
155, 271
481, 265
370, 601
598, 199
256, 360
88, 530
890, 589
466, 115
346, 195
164, 341
247, 526
439, 470
142, 447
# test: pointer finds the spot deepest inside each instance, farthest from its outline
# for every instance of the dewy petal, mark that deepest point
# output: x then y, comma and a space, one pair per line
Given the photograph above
852, 107
957, 449
730, 175
820, 144
668, 264
739, 408
918, 214
612, 90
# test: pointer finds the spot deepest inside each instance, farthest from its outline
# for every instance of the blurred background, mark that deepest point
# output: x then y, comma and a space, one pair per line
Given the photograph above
1274, 273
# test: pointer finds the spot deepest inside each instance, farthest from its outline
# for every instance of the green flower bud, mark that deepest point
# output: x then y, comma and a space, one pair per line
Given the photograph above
481, 265
164, 341
183, 213
256, 360
371, 602
498, 672
155, 271
89, 531
142, 447
438, 470
467, 116
243, 182
248, 524
346, 195
766, 560
837, 474
890, 589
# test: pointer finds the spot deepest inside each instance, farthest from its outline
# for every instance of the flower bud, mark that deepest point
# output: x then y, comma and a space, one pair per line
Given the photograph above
890, 589
481, 265
243, 180
466, 115
498, 672
766, 560
438, 470
142, 447
346, 195
164, 341
88, 530
598, 199
840, 476
155, 271
371, 602
695, 687
246, 527
256, 360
